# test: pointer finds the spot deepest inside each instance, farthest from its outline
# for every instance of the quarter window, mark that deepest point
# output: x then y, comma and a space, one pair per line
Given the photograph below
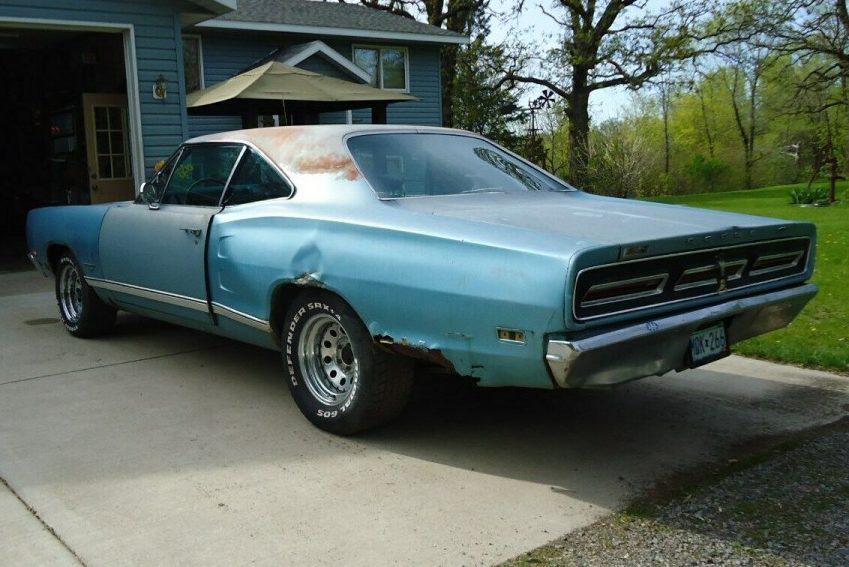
255, 180
200, 175
386, 66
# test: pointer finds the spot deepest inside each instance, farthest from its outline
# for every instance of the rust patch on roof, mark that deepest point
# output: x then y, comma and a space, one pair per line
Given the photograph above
329, 163
304, 149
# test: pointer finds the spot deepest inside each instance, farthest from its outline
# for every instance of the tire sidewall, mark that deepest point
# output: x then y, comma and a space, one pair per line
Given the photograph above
66, 261
351, 412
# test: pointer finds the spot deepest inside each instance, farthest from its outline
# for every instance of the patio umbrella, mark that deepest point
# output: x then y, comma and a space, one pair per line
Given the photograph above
274, 87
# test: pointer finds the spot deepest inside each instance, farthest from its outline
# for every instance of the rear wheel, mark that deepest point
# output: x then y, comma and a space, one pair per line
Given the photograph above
340, 380
82, 312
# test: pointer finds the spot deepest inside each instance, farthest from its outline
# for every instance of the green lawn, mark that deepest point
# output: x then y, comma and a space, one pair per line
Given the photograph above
819, 337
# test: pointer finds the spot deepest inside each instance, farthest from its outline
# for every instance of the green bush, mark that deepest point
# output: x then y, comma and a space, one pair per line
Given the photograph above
708, 171
809, 196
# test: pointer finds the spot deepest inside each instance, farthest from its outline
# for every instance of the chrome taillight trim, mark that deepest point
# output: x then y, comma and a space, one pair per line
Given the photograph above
621, 283
795, 255
740, 264
675, 301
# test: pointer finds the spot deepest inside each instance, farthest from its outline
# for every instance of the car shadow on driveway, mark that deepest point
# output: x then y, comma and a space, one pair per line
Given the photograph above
198, 400
585, 441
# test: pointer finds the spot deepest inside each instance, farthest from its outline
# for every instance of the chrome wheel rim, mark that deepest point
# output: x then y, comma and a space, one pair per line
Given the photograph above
70, 293
328, 364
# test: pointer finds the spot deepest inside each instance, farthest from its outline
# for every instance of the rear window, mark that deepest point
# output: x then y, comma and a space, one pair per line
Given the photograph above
416, 165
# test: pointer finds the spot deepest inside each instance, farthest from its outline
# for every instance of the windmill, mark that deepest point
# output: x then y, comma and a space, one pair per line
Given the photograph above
541, 102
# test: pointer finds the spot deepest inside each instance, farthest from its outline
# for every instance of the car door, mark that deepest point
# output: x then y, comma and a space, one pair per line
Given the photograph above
153, 257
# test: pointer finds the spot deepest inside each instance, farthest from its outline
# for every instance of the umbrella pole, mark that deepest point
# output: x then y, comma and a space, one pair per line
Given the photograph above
249, 118
378, 113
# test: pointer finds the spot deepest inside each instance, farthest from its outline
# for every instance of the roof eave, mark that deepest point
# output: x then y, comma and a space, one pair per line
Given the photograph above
333, 31
217, 7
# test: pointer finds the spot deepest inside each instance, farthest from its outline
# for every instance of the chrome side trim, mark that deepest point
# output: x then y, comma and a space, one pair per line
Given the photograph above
658, 346
147, 293
240, 317
714, 293
638, 295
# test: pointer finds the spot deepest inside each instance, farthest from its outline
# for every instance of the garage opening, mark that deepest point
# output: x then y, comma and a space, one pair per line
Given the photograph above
65, 126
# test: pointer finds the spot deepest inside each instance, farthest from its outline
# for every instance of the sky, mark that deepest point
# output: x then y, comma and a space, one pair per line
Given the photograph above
606, 103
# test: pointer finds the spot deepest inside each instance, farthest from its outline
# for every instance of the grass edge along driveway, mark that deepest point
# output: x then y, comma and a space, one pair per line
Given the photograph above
819, 337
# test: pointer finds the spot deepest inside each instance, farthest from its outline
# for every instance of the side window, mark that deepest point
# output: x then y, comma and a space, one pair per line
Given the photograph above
200, 175
255, 180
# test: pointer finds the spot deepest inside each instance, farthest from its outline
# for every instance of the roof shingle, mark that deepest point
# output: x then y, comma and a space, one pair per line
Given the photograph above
329, 15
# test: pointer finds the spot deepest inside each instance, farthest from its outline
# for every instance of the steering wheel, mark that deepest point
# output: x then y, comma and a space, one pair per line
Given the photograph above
205, 197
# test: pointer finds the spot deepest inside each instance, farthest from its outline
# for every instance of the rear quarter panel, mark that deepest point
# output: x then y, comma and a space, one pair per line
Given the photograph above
74, 227
419, 290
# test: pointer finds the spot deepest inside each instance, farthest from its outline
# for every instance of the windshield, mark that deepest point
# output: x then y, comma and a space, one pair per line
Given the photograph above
415, 165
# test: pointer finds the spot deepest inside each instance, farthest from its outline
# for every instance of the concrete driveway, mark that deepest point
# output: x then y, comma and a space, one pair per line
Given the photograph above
163, 446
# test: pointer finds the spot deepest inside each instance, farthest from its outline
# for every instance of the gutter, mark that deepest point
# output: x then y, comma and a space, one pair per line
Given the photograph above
333, 31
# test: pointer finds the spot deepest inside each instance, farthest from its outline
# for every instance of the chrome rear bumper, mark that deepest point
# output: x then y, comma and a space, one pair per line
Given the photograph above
658, 346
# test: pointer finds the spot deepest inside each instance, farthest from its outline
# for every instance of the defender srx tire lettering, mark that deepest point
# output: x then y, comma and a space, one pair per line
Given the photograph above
82, 312
339, 378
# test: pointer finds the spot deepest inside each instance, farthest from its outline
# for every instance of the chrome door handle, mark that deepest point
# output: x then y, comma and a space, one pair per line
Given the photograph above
192, 231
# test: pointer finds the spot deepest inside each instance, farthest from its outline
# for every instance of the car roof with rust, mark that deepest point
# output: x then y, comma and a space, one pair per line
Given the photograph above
312, 149
252, 135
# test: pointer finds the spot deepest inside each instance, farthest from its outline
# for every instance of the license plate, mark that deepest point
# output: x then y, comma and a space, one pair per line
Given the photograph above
708, 344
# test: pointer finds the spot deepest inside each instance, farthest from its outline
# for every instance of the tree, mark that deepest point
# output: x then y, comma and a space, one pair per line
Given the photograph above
707, 170
613, 43
703, 86
476, 104
742, 79
815, 34
619, 157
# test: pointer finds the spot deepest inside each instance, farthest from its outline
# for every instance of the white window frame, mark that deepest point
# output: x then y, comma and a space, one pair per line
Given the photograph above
380, 49
199, 39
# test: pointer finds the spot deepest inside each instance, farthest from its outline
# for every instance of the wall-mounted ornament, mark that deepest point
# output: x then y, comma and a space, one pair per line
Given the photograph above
160, 88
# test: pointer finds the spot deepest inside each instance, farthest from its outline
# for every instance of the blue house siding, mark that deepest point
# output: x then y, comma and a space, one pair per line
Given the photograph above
227, 53
155, 26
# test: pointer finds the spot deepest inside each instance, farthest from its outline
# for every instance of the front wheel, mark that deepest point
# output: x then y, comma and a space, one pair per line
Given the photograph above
82, 312
341, 381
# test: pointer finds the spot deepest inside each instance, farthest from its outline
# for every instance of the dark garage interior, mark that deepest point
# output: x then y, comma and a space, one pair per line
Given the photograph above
44, 149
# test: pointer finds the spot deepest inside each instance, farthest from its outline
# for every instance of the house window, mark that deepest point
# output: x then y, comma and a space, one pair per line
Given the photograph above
192, 62
387, 66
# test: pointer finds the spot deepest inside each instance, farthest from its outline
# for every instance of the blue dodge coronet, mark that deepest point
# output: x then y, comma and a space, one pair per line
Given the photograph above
360, 252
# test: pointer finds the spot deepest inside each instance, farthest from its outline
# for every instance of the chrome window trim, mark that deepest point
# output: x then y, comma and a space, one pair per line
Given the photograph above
249, 148
230, 177
148, 293
793, 264
638, 295
262, 154
714, 293
186, 145
239, 317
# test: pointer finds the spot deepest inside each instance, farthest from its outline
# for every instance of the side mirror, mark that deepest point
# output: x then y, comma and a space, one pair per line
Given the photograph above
147, 192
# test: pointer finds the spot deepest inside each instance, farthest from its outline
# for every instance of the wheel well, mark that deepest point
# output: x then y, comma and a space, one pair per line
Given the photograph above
54, 252
282, 298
